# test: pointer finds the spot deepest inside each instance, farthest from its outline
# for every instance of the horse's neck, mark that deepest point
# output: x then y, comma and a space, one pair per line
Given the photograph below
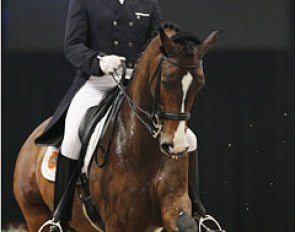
139, 91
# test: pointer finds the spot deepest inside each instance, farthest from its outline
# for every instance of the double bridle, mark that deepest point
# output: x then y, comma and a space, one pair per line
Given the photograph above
154, 118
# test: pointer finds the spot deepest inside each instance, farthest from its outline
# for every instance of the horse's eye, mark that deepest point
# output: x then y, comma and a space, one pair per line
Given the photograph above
165, 83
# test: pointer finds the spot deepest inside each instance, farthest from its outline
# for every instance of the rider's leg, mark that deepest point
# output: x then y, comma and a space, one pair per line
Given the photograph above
87, 97
65, 170
193, 160
193, 176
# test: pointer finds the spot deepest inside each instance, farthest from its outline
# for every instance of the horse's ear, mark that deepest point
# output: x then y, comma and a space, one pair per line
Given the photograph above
209, 42
168, 45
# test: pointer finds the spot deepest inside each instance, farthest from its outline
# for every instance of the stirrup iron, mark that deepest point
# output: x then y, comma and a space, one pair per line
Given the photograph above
207, 229
51, 222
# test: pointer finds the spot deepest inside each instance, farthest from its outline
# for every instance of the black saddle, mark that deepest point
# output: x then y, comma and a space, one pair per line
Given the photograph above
110, 105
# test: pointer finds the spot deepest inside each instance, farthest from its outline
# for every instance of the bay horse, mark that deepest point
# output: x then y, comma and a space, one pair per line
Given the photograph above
143, 187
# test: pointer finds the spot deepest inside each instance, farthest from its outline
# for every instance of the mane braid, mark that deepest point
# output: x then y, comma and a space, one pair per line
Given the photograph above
169, 25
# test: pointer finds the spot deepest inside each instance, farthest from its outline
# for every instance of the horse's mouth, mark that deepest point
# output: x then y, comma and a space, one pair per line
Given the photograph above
167, 150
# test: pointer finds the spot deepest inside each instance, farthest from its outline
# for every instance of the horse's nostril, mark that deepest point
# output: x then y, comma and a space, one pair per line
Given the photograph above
166, 146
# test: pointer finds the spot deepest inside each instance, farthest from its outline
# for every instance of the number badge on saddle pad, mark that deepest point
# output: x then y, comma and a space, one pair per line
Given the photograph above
49, 162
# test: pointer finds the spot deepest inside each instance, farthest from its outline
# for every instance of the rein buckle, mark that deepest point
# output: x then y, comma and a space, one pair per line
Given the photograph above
157, 125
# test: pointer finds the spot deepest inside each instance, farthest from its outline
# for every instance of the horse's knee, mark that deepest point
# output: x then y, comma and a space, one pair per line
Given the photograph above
186, 223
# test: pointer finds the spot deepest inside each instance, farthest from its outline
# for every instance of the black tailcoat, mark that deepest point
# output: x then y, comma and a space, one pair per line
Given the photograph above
99, 27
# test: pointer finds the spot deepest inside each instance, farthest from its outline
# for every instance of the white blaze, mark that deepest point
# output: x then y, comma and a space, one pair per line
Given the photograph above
180, 139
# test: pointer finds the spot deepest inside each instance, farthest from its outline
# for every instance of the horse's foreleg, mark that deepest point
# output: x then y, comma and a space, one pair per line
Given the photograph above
176, 211
172, 191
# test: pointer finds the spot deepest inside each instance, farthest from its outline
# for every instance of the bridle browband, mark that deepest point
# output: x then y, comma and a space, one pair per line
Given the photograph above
154, 125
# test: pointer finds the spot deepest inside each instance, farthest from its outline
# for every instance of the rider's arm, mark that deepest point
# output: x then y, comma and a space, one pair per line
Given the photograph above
76, 51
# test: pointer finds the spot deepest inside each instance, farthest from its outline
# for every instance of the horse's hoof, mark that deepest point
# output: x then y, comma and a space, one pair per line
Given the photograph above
186, 223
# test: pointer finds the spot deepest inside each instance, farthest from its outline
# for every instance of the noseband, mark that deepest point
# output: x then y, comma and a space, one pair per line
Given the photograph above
157, 114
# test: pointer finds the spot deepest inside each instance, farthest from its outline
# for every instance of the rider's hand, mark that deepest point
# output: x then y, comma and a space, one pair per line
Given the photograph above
108, 64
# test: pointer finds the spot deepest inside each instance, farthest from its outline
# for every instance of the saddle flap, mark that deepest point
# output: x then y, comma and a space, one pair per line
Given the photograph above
99, 120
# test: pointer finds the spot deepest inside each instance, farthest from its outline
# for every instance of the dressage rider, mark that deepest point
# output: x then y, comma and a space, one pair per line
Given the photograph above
99, 36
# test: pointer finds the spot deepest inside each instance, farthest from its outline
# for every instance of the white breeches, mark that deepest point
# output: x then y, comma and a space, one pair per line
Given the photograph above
88, 96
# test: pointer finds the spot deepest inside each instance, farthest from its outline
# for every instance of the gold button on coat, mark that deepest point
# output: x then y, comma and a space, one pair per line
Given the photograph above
130, 44
115, 23
116, 43
131, 24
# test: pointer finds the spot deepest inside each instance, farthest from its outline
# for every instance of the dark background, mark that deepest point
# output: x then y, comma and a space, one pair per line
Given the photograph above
244, 117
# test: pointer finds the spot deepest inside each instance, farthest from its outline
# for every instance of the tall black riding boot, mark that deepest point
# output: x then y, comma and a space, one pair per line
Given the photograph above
65, 171
193, 179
